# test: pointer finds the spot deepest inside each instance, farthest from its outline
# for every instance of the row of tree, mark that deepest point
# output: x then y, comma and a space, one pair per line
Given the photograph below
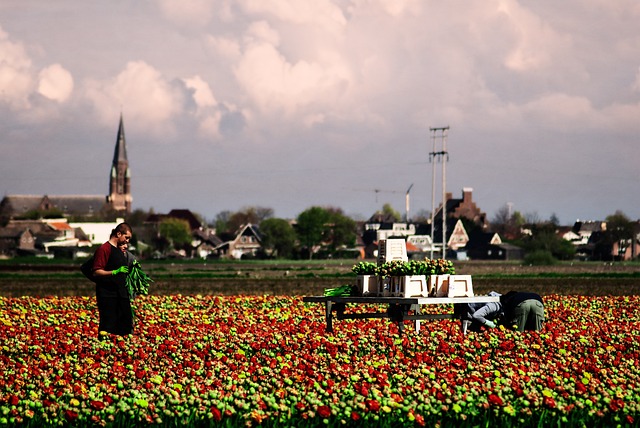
328, 230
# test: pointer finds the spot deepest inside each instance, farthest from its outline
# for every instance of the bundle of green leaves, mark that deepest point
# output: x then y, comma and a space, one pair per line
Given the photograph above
137, 281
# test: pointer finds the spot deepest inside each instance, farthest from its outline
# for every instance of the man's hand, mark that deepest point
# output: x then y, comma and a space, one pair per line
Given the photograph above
121, 269
490, 324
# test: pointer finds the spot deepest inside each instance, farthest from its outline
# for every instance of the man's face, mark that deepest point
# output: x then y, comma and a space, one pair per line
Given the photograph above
123, 239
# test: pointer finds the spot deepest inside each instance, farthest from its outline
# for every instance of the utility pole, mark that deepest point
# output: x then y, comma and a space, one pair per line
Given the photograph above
439, 135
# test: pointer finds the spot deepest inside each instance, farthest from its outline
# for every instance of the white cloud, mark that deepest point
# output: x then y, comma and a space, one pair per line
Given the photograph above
323, 13
225, 47
188, 12
394, 8
202, 93
56, 83
279, 86
561, 111
16, 82
207, 113
537, 44
209, 126
142, 92
261, 32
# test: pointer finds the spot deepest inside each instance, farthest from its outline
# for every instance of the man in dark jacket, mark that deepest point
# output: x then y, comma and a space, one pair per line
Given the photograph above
523, 309
110, 268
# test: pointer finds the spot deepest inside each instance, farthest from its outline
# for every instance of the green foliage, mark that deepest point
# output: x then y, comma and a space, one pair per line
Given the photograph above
312, 227
544, 238
416, 267
176, 231
39, 214
342, 230
388, 210
365, 268
540, 258
343, 290
137, 281
278, 237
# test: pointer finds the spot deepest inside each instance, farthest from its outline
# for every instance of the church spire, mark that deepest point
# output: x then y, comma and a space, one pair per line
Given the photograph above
119, 181
120, 153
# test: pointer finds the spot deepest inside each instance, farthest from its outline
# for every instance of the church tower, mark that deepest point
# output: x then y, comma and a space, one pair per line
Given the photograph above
120, 178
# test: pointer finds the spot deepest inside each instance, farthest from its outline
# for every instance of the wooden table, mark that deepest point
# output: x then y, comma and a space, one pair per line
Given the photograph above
398, 308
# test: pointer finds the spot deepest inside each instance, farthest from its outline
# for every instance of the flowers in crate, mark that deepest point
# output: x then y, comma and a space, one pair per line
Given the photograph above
439, 267
416, 267
365, 268
393, 268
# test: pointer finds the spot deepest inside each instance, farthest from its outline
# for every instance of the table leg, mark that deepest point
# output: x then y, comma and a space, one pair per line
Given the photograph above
416, 309
395, 312
465, 326
328, 316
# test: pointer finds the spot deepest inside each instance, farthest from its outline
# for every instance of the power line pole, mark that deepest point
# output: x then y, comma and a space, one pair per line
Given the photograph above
439, 135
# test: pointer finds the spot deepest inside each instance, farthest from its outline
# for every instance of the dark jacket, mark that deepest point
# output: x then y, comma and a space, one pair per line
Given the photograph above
514, 298
108, 257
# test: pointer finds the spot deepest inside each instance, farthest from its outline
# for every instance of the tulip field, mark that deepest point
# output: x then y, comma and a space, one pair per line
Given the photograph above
267, 361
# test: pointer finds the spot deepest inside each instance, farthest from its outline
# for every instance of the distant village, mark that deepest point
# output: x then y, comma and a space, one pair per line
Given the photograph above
72, 226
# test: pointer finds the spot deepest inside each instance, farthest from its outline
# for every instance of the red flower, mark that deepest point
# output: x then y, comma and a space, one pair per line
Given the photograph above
507, 345
549, 402
97, 405
396, 397
216, 413
324, 411
495, 400
373, 405
70, 415
459, 362
616, 405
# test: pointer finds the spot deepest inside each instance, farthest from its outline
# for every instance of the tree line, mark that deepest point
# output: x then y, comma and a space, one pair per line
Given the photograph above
328, 232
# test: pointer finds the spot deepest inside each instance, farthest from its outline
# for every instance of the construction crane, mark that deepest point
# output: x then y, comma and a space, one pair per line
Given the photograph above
376, 191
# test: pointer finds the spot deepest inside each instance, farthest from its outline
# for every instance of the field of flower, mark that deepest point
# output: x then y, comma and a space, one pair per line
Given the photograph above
251, 360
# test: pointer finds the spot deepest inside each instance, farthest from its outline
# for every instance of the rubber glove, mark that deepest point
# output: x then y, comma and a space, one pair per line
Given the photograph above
121, 269
490, 324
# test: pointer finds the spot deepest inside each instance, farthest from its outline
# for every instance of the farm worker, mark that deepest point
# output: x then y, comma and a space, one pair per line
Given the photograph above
524, 310
486, 314
110, 267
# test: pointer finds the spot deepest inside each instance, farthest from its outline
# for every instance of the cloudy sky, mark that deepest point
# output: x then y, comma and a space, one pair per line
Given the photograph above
293, 103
